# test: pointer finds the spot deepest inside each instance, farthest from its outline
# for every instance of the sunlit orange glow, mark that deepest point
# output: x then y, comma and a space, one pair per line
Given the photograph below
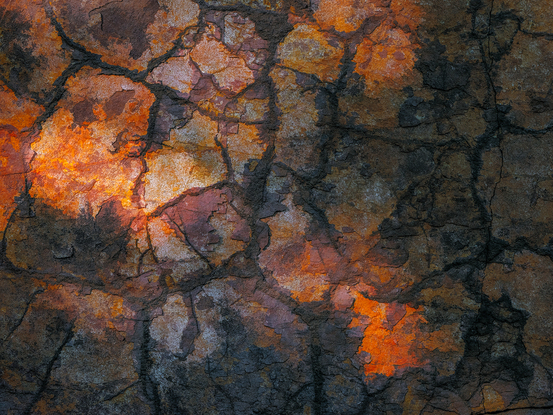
396, 338
78, 167
17, 112
389, 335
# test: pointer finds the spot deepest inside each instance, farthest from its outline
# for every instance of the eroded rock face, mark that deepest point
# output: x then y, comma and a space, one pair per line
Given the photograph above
276, 207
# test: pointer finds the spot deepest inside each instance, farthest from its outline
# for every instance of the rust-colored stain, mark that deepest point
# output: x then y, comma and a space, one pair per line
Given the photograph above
258, 206
77, 166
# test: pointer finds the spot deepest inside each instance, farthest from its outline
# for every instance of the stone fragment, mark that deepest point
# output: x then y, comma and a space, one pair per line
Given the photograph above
298, 129
178, 73
230, 71
190, 159
244, 146
126, 33
306, 49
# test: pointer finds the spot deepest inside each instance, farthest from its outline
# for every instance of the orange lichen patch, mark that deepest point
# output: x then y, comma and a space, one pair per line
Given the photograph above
178, 73
389, 336
126, 33
87, 150
36, 52
12, 173
92, 313
20, 113
76, 172
394, 338
346, 15
386, 56
407, 13
230, 71
307, 49
243, 146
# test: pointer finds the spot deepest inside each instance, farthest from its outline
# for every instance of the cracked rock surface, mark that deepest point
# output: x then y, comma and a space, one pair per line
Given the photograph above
276, 207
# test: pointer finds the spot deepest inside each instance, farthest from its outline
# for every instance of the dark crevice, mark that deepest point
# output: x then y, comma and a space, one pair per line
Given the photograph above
20, 320
150, 388
49, 368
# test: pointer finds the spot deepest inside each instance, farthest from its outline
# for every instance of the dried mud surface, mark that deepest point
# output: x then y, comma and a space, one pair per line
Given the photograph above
276, 207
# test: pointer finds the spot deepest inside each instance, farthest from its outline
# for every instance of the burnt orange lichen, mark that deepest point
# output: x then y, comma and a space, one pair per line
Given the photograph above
347, 16
16, 111
385, 57
396, 339
12, 177
86, 154
17, 117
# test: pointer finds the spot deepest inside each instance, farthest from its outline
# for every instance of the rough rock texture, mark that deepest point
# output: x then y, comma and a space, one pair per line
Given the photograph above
276, 207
